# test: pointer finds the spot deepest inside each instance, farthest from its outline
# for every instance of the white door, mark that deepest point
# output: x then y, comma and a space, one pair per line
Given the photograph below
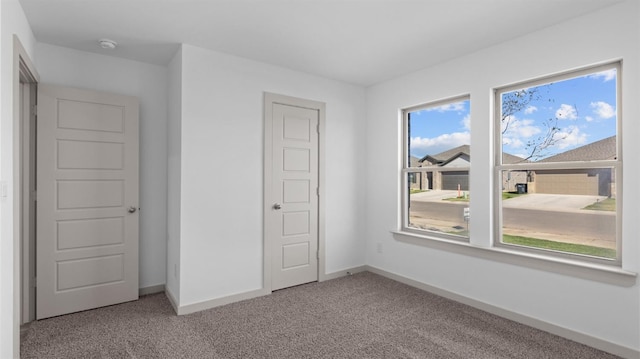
292, 211
87, 200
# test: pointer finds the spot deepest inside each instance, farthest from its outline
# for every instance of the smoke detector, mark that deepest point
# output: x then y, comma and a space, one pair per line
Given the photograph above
107, 44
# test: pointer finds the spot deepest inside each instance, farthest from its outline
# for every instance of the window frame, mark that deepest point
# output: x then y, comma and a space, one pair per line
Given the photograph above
616, 165
406, 169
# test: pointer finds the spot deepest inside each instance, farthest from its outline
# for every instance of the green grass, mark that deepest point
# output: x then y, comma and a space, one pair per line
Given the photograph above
457, 199
608, 204
507, 195
560, 246
412, 191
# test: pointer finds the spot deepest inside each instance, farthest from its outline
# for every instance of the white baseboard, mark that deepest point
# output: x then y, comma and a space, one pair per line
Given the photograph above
582, 338
153, 289
212, 303
172, 299
342, 273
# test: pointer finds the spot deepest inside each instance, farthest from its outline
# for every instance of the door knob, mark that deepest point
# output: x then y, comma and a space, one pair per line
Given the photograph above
132, 209
277, 206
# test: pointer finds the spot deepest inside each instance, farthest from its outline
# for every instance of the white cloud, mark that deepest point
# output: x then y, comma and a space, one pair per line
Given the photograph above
456, 106
517, 131
607, 75
588, 118
571, 137
520, 128
512, 142
435, 145
529, 110
566, 112
466, 122
603, 109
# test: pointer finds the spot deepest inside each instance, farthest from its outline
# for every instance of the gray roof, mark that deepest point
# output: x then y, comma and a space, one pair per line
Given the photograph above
449, 155
604, 149
414, 161
509, 159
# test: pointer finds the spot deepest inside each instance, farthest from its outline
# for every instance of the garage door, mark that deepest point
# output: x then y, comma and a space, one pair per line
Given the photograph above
580, 182
451, 180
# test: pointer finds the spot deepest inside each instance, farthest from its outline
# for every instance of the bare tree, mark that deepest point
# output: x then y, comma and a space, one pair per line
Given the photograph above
516, 101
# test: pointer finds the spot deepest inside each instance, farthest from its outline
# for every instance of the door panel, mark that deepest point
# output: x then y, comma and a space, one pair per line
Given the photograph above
87, 180
293, 221
90, 155
82, 233
451, 180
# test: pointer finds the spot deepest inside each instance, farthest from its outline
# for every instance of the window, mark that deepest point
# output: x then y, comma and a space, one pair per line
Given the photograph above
435, 173
558, 165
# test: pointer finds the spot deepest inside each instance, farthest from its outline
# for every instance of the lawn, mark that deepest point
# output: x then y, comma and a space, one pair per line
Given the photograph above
457, 199
560, 246
505, 195
608, 204
413, 191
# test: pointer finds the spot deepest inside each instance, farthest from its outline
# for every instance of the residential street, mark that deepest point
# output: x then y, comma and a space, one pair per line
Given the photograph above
528, 214
591, 224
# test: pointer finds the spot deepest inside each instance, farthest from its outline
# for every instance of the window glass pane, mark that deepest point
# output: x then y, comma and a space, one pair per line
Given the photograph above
438, 143
441, 211
550, 202
562, 121
566, 210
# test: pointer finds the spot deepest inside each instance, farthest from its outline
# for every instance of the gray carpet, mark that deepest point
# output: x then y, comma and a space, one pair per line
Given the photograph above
361, 316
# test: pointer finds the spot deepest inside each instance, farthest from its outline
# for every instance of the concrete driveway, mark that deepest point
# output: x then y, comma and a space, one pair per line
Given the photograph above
552, 202
539, 201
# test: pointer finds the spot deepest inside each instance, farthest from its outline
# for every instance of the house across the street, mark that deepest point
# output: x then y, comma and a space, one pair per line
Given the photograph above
449, 170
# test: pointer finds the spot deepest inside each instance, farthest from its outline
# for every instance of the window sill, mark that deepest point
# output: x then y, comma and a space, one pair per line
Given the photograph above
585, 270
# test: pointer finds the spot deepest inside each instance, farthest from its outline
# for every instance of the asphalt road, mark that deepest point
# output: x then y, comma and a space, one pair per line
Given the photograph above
600, 225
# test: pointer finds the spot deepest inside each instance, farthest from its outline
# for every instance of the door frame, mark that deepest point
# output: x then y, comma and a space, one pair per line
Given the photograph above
24, 72
28, 176
271, 99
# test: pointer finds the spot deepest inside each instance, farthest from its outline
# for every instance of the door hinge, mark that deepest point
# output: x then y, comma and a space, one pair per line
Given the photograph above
34, 109
318, 128
317, 254
317, 191
35, 282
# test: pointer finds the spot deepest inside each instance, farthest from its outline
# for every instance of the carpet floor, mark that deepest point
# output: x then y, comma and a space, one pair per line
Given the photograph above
360, 316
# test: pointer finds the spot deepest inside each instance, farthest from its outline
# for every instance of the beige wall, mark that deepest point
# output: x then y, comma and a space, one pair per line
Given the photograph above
510, 179
577, 182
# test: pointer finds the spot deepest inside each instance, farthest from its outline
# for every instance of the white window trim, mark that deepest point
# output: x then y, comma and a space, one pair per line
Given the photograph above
406, 169
615, 164
609, 273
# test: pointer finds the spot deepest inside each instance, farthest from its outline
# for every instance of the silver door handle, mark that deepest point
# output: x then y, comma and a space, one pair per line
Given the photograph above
132, 209
277, 206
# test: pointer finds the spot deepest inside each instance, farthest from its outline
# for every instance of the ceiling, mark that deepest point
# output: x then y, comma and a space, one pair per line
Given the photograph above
361, 42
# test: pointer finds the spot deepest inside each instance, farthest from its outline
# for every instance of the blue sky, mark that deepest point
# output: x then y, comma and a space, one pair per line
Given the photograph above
440, 128
583, 108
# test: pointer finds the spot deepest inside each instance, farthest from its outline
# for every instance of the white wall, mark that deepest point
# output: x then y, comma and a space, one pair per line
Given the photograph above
174, 164
222, 170
609, 312
12, 21
63, 66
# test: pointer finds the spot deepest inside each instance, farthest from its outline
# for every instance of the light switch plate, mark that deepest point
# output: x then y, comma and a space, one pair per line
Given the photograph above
3, 189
